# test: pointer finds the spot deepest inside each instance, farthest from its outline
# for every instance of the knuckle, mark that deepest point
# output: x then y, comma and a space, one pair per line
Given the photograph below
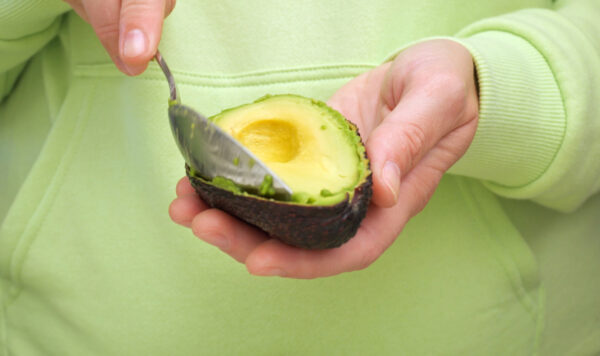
451, 91
204, 222
424, 190
107, 31
137, 8
414, 66
370, 254
412, 141
450, 85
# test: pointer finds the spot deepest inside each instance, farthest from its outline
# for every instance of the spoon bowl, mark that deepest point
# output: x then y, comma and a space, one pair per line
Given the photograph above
211, 152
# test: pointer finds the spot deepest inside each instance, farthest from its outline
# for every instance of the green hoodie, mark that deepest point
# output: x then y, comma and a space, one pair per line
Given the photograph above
502, 261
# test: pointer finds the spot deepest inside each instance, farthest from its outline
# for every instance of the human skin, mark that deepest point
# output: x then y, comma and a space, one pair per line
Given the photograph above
417, 115
129, 30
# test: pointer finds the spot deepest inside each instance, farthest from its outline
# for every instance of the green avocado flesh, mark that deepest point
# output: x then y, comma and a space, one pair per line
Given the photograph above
315, 151
310, 146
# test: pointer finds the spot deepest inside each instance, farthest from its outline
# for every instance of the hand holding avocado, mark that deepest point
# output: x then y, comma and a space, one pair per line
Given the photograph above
312, 149
417, 114
129, 30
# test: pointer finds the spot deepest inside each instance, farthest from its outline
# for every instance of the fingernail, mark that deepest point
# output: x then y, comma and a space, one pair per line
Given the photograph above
135, 44
215, 240
391, 177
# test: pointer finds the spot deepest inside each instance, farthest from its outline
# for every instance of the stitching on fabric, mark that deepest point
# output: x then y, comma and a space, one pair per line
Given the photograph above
55, 26
584, 344
541, 319
565, 128
4, 325
186, 82
110, 66
274, 71
525, 299
292, 75
16, 262
536, 312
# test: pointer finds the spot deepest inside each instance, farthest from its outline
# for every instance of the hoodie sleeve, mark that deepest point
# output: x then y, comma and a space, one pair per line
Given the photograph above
25, 27
539, 80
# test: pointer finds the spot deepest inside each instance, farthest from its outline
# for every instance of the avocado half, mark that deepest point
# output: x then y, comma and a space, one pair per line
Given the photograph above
316, 152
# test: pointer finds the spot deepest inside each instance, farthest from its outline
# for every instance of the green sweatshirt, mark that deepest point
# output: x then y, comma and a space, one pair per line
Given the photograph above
502, 261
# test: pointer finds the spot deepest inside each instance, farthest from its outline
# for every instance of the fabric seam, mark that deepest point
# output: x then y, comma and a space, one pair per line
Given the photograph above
565, 125
56, 22
591, 339
110, 67
259, 78
17, 258
4, 325
541, 318
521, 293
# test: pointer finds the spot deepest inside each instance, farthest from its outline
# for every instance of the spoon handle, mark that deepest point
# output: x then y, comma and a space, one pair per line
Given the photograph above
163, 65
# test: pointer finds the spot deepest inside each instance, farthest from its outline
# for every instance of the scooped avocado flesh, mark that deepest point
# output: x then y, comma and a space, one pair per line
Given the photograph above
310, 146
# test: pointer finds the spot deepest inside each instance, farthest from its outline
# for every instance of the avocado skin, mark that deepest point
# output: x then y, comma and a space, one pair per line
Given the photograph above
306, 226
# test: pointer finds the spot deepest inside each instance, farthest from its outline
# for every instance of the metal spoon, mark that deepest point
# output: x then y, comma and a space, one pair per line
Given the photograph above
210, 151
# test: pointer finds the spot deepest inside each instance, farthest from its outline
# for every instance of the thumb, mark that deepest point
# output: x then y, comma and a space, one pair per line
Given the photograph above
393, 148
140, 28
397, 145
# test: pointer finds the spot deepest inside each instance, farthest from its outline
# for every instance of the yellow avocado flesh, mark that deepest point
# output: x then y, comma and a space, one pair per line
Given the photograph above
271, 140
310, 149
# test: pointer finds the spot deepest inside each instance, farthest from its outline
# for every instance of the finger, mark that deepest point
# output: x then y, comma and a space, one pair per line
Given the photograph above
377, 232
169, 7
420, 184
422, 117
184, 187
140, 30
358, 99
78, 8
183, 209
229, 234
104, 18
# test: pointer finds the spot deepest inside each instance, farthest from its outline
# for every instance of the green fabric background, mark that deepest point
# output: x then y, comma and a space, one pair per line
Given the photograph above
91, 264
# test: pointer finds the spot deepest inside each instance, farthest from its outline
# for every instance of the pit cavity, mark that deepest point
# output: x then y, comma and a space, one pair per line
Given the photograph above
271, 140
